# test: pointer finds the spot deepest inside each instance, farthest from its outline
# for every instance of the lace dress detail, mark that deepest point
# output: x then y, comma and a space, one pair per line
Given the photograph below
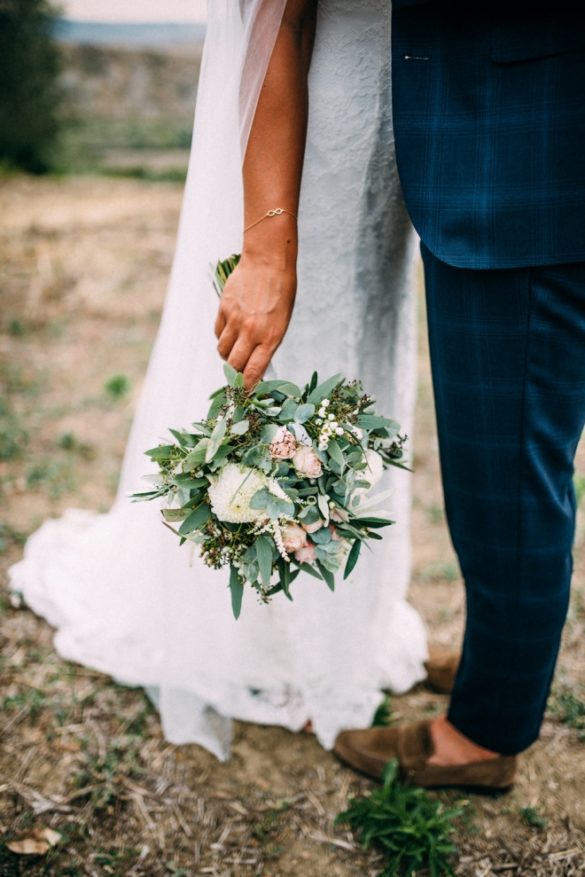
125, 599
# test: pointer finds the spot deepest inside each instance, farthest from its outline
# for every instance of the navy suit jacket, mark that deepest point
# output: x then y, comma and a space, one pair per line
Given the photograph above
489, 121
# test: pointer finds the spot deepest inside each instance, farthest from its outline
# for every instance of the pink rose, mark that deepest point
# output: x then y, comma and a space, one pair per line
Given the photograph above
293, 537
307, 554
283, 445
312, 528
306, 462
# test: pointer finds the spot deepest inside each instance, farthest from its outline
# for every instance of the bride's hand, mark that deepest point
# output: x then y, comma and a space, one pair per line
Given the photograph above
258, 298
255, 310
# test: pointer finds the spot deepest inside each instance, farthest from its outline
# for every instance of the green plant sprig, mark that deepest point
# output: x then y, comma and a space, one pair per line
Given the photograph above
410, 828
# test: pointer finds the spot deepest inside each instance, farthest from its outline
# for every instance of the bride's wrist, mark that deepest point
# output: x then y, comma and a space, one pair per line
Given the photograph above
273, 242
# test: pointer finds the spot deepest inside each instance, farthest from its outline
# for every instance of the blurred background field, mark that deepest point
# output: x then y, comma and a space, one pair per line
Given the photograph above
85, 253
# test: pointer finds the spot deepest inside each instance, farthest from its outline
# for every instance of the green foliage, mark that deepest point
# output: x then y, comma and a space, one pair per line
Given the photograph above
68, 441
103, 774
412, 830
533, 818
30, 701
569, 709
579, 482
13, 437
30, 96
51, 475
442, 571
148, 175
117, 386
9, 536
383, 715
16, 327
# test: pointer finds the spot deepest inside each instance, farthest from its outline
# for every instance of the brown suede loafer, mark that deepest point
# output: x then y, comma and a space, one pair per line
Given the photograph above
369, 750
441, 667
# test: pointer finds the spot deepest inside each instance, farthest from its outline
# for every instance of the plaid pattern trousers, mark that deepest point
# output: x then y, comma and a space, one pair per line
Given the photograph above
508, 361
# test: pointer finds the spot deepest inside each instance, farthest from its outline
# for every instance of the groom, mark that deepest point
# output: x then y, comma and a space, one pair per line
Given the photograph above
489, 118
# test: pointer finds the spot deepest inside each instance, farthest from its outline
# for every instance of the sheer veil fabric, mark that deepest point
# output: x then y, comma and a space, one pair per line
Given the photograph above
123, 597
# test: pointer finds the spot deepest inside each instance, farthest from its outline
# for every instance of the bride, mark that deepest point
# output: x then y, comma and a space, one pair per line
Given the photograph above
124, 598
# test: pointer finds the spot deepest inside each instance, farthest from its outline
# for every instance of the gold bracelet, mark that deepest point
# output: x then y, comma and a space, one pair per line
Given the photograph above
278, 211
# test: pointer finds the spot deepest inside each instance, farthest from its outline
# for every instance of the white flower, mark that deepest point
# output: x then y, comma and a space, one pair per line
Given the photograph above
331, 417
375, 467
339, 430
371, 474
325, 403
231, 492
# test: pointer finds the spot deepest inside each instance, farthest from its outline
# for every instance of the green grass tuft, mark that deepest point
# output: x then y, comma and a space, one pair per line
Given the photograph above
117, 386
532, 818
412, 830
579, 482
383, 715
569, 709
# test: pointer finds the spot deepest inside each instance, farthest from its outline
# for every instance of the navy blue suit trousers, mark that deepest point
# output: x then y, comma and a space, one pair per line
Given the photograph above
508, 361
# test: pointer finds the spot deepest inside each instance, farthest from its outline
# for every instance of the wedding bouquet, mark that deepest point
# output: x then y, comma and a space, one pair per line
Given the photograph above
278, 480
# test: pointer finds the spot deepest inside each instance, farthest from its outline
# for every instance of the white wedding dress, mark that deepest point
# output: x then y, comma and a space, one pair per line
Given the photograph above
124, 597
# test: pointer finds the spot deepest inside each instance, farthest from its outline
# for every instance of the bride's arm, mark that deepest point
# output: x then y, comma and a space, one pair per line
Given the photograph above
258, 298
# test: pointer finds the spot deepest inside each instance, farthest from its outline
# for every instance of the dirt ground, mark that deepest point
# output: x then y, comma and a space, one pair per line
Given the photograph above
84, 267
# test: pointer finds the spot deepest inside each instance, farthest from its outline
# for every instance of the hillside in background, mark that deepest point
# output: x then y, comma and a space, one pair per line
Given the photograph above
131, 109
104, 82
137, 34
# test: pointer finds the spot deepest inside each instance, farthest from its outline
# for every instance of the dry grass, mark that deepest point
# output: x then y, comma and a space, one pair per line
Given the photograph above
87, 267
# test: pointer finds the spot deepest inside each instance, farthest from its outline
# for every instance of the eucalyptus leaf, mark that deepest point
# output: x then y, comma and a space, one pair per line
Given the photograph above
218, 400
352, 558
311, 571
323, 390
336, 453
264, 555
288, 410
145, 495
230, 374
216, 439
174, 514
327, 576
269, 431
373, 523
162, 454
240, 428
322, 536
285, 577
374, 421
260, 499
237, 591
196, 457
268, 387
183, 438
304, 413
323, 504
195, 520
185, 479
